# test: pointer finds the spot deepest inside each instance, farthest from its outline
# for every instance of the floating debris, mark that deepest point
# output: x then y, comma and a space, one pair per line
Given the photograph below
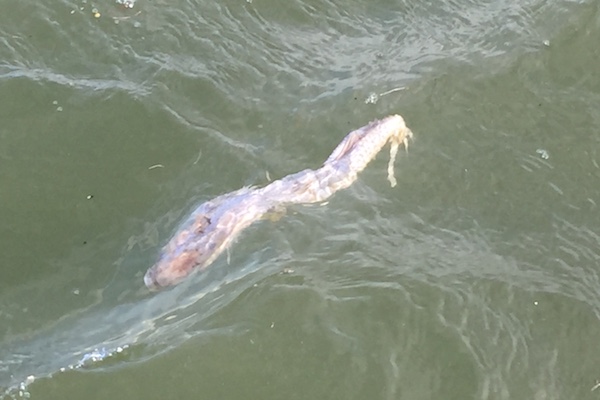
215, 224
123, 18
59, 108
126, 3
198, 158
543, 153
374, 97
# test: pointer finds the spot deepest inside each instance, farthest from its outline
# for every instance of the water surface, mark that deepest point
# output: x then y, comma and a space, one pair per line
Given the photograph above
477, 277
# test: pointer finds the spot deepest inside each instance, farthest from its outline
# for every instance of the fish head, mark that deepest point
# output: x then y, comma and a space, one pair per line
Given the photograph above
188, 250
171, 268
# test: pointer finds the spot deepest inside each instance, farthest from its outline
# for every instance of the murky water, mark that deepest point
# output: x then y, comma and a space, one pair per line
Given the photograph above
477, 277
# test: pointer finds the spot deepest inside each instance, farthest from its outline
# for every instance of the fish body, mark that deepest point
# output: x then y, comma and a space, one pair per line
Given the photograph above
215, 224
209, 230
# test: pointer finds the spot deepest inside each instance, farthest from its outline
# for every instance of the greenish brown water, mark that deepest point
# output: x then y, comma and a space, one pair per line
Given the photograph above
476, 278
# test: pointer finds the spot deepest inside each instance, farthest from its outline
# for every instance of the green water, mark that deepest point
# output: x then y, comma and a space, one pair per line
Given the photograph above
477, 277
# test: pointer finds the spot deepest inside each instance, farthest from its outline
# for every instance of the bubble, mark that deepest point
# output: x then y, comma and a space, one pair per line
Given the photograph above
372, 99
126, 3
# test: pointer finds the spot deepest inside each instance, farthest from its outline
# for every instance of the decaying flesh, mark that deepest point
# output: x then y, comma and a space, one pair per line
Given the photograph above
214, 225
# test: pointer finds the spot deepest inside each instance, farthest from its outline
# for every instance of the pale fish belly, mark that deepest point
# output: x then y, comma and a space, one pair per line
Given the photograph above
214, 225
